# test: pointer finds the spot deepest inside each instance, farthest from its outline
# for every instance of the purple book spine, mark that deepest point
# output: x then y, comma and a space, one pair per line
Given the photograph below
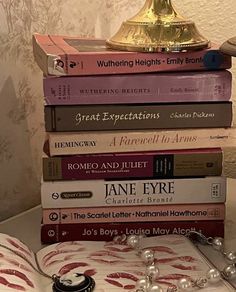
139, 88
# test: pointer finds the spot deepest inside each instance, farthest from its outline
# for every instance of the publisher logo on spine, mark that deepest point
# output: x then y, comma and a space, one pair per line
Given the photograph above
55, 196
213, 60
76, 195
215, 190
213, 212
51, 233
53, 216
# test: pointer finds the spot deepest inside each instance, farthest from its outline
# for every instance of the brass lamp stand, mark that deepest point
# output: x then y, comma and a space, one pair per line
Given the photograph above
158, 28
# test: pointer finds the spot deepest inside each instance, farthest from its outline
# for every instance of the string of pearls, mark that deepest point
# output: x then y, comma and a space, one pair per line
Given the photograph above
229, 271
149, 282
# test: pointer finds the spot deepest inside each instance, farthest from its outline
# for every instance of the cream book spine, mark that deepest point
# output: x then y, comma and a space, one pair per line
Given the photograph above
91, 142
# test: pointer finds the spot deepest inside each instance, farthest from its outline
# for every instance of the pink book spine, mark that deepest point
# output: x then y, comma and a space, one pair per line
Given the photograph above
138, 88
62, 55
134, 214
51, 233
130, 62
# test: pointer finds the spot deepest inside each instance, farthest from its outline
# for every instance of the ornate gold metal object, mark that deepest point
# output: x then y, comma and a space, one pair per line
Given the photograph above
158, 28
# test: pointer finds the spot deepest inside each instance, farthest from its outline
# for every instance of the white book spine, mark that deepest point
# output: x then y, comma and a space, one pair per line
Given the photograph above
129, 141
102, 193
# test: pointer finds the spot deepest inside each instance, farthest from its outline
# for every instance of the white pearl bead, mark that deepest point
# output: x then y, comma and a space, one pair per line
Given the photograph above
147, 256
142, 284
213, 276
230, 272
185, 285
231, 256
155, 288
153, 272
218, 243
133, 241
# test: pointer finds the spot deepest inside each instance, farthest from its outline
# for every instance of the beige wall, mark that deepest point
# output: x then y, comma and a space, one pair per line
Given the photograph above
21, 110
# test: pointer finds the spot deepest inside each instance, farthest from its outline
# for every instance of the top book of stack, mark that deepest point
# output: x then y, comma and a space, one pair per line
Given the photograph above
65, 55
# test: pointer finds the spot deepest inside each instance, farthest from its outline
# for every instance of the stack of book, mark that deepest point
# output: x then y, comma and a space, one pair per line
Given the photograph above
134, 140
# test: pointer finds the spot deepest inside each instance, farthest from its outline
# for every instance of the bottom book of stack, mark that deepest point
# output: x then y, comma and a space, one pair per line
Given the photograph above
52, 233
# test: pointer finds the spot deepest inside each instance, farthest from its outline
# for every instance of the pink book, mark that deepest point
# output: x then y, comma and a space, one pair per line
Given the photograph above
146, 213
139, 88
66, 55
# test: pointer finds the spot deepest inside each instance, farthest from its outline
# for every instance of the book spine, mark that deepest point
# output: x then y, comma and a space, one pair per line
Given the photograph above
120, 62
135, 117
47, 62
134, 165
52, 233
131, 141
148, 213
139, 88
101, 193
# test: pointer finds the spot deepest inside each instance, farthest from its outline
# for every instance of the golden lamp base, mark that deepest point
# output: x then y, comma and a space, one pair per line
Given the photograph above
158, 28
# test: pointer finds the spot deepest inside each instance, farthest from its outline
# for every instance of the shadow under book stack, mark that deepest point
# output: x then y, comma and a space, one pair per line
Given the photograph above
134, 140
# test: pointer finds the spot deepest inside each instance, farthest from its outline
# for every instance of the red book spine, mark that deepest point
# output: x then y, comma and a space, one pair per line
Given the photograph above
51, 233
165, 164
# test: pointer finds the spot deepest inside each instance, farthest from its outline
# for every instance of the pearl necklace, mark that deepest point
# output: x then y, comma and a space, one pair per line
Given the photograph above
217, 243
212, 276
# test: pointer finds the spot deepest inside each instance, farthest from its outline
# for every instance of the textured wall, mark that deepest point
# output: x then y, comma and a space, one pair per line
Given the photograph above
21, 110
